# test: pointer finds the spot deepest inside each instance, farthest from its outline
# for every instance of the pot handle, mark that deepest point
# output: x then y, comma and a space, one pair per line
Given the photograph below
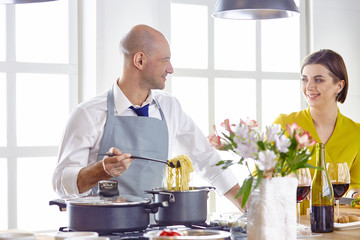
152, 192
209, 188
171, 196
154, 207
60, 203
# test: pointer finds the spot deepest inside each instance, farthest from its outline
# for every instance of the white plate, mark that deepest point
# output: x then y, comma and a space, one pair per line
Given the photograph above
17, 236
191, 234
75, 235
343, 226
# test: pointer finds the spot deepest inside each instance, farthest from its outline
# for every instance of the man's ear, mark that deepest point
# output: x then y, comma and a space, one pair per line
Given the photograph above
139, 59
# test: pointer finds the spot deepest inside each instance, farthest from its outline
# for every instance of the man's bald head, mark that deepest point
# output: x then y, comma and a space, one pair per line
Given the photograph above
140, 38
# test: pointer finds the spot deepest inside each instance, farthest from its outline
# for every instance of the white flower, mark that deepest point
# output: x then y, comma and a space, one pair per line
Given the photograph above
282, 143
241, 132
266, 160
272, 131
247, 149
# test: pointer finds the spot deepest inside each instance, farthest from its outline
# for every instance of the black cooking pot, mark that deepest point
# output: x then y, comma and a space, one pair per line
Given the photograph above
107, 213
185, 207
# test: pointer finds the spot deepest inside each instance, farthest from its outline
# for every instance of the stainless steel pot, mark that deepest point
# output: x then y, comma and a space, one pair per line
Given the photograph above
107, 213
185, 207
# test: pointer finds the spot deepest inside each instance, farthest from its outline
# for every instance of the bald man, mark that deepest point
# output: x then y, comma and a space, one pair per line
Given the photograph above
135, 117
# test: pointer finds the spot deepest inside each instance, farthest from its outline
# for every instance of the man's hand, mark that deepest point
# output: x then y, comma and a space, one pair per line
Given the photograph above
103, 170
116, 165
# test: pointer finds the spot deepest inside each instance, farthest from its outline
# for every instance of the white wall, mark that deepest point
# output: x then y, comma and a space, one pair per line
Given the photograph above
114, 19
87, 49
336, 26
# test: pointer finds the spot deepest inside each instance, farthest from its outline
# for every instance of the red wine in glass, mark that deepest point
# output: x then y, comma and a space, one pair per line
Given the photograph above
340, 189
302, 192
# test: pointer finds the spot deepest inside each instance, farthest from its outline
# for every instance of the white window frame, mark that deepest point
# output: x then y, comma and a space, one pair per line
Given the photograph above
11, 67
211, 73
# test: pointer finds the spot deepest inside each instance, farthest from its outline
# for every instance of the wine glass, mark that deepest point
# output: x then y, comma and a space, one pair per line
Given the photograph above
340, 179
303, 188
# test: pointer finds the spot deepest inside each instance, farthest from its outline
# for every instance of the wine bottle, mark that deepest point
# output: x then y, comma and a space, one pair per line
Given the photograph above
322, 196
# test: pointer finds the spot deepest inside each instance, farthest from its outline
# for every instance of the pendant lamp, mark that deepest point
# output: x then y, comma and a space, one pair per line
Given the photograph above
23, 1
254, 9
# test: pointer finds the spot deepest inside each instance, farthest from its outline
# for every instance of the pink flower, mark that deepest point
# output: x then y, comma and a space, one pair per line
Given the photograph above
292, 128
227, 126
249, 123
215, 141
304, 139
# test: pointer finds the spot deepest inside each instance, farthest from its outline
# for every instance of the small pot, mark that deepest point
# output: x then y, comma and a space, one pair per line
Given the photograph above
107, 213
185, 207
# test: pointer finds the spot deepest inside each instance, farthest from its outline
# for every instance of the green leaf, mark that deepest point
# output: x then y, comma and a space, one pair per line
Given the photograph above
308, 165
241, 161
220, 163
261, 145
259, 178
246, 189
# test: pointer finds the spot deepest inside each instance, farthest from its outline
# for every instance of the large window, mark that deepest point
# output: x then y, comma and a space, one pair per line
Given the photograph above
235, 68
38, 76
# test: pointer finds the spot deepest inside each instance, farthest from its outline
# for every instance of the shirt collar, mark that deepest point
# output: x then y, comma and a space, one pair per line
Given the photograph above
122, 102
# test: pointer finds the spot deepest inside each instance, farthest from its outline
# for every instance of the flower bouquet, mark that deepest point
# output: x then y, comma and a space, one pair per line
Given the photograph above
275, 153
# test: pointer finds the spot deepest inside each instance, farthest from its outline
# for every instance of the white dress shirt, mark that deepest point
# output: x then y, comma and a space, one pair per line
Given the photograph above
82, 137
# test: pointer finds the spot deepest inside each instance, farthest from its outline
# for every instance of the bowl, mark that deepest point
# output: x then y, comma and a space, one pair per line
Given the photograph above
190, 234
75, 235
17, 236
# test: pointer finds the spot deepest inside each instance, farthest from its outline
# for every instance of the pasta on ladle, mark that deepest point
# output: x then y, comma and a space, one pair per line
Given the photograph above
181, 175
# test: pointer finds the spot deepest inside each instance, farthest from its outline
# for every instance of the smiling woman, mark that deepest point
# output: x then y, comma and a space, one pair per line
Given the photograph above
324, 84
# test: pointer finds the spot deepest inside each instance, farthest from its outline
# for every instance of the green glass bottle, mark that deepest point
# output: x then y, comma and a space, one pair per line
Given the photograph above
322, 196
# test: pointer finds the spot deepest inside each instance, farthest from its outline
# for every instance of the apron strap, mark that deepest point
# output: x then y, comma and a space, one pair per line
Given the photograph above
110, 102
160, 110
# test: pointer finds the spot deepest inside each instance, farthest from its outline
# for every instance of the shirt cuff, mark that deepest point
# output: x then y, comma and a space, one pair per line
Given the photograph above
69, 182
224, 181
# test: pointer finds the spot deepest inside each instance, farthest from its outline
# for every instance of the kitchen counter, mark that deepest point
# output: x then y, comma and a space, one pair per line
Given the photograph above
343, 234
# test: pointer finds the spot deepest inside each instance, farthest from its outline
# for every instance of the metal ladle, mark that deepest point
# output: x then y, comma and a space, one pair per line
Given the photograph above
170, 164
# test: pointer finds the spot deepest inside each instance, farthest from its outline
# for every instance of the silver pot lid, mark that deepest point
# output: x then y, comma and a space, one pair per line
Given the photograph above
191, 189
123, 200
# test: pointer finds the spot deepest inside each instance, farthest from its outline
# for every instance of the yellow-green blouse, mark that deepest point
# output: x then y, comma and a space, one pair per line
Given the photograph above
342, 146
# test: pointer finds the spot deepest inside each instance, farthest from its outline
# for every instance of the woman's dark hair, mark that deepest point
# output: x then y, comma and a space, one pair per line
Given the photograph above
335, 64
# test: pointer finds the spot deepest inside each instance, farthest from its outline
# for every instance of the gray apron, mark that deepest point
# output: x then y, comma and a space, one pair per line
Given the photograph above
140, 136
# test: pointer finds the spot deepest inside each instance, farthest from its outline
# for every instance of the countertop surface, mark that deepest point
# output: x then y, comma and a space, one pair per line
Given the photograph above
339, 234
348, 233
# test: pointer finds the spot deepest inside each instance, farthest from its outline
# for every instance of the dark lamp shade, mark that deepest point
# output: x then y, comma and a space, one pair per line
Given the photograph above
254, 9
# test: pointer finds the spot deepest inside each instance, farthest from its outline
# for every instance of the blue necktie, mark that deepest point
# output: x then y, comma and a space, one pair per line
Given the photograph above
143, 111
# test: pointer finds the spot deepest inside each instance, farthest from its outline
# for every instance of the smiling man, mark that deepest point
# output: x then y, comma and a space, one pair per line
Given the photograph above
135, 117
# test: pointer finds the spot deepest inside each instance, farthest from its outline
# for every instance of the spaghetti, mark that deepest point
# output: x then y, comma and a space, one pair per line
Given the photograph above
180, 176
